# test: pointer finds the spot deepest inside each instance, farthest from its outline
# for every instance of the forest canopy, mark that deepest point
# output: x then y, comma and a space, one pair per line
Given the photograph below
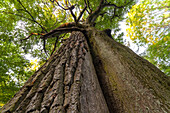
23, 22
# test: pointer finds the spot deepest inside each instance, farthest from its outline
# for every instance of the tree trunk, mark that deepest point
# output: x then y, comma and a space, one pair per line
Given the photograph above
130, 83
68, 82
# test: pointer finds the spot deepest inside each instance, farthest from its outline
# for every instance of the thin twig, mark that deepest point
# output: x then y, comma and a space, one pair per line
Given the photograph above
55, 45
32, 34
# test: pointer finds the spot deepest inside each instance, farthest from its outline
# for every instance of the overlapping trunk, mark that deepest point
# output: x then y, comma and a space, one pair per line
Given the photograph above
68, 82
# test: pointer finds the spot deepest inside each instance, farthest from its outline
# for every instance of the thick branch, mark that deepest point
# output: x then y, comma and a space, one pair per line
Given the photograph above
88, 6
64, 28
71, 11
81, 13
95, 14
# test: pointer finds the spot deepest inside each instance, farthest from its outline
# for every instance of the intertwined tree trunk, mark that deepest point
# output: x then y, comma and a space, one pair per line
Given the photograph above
68, 82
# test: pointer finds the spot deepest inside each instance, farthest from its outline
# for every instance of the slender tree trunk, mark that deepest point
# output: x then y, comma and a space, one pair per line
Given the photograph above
68, 82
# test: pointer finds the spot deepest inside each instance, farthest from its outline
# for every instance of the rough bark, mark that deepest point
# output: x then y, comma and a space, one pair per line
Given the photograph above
130, 83
67, 83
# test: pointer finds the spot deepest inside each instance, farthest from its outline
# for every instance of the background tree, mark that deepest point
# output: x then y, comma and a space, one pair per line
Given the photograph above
68, 81
149, 26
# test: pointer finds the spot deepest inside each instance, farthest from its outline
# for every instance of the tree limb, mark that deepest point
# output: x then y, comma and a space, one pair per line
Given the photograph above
88, 6
81, 13
71, 11
114, 5
32, 16
61, 6
44, 43
68, 8
64, 28
93, 16
31, 35
55, 45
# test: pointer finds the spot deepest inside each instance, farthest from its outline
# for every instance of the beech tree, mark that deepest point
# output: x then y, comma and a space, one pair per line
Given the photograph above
87, 71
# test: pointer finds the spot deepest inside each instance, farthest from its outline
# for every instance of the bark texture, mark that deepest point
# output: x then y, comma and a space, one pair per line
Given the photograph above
130, 83
67, 83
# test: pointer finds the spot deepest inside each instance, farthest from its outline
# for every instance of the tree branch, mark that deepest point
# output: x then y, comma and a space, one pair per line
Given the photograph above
93, 16
32, 34
44, 43
81, 13
68, 8
59, 31
116, 15
88, 6
17, 15
32, 16
64, 28
114, 5
61, 6
55, 45
71, 11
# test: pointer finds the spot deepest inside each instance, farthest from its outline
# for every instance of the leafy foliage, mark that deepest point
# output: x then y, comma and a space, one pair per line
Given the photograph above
12, 66
149, 25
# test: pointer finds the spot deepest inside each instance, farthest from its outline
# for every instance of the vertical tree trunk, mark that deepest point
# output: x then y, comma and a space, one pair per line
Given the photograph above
67, 83
130, 83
